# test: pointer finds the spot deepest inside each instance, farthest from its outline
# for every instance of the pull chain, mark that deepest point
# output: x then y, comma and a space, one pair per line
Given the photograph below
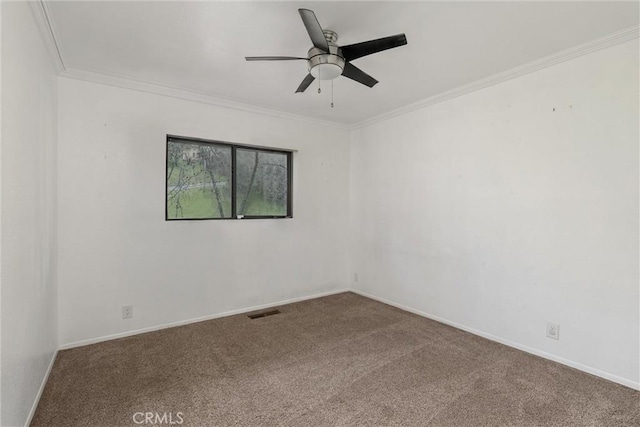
331, 93
319, 90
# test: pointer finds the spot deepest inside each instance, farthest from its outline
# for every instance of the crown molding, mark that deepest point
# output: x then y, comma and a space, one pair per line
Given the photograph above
41, 14
548, 61
185, 94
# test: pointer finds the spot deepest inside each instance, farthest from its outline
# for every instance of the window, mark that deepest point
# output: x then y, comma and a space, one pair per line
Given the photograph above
218, 180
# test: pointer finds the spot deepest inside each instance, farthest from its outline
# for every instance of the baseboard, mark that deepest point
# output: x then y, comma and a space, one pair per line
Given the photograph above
42, 385
588, 369
195, 320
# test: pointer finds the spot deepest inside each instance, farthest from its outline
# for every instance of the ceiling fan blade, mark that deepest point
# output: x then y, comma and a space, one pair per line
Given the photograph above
272, 58
305, 83
314, 29
355, 73
358, 50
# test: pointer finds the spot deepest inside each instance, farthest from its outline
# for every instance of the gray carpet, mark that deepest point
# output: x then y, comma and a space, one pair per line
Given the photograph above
341, 360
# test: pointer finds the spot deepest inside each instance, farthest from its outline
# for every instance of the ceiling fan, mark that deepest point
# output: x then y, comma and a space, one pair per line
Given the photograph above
326, 60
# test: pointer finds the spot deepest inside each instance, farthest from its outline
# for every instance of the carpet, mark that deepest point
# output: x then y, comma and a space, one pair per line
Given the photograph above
341, 360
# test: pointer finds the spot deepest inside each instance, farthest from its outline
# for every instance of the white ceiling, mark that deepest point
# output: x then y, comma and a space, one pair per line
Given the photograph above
200, 46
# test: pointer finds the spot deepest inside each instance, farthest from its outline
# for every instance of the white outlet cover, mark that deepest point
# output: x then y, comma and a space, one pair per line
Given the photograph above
553, 330
127, 311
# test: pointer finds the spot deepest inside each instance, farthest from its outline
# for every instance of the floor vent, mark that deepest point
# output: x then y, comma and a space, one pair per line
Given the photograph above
264, 314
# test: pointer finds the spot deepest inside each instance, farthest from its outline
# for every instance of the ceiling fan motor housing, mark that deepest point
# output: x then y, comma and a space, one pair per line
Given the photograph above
323, 65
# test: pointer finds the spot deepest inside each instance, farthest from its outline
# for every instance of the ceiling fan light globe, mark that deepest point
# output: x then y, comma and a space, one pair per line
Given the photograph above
326, 71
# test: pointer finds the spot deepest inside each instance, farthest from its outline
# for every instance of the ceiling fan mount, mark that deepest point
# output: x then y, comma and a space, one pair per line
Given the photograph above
330, 35
326, 60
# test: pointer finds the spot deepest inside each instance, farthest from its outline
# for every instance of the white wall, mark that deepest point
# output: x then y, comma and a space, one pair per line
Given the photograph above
115, 247
29, 323
512, 206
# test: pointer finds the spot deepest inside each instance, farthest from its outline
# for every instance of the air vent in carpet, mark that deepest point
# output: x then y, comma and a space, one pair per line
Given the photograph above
264, 314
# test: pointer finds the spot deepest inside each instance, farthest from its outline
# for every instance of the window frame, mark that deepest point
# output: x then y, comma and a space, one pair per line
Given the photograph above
234, 147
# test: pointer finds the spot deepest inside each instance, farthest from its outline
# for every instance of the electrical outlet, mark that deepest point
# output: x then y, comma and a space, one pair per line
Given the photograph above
127, 311
355, 277
553, 330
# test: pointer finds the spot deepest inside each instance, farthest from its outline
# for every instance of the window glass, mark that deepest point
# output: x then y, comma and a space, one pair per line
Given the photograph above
261, 183
198, 181
216, 180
